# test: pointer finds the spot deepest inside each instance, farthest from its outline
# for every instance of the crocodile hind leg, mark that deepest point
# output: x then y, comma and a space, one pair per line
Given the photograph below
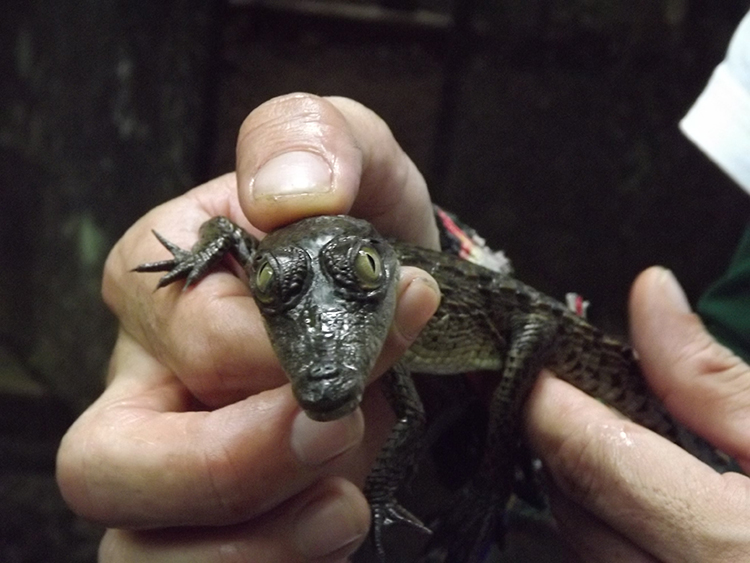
397, 458
475, 520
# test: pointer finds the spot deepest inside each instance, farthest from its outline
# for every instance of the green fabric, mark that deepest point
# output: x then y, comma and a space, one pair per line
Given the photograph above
725, 307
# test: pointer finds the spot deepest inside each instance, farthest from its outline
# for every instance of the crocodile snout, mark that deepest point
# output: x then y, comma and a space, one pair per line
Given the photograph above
328, 391
326, 370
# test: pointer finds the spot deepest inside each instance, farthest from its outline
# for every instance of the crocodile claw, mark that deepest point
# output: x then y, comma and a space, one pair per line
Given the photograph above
387, 513
467, 533
186, 264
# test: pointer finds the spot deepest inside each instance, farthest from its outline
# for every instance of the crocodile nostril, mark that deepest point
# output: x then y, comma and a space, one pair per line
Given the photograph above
327, 370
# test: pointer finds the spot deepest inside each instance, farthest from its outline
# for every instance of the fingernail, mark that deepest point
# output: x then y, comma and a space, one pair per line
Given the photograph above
326, 526
315, 442
414, 308
293, 173
673, 292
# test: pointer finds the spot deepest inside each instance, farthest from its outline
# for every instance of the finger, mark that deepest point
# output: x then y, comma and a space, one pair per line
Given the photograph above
652, 492
700, 381
418, 299
138, 458
325, 524
593, 540
302, 155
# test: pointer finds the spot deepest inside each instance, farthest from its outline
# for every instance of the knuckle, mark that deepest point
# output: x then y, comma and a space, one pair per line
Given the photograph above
300, 121
282, 109
231, 501
85, 484
713, 374
702, 354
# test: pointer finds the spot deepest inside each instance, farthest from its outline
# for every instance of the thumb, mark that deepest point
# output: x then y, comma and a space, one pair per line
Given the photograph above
701, 382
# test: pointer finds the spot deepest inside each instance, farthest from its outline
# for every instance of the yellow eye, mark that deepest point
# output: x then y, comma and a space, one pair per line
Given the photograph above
368, 266
263, 281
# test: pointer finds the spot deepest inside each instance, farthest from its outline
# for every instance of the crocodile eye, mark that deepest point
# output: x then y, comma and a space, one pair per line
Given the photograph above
359, 269
264, 282
368, 267
281, 278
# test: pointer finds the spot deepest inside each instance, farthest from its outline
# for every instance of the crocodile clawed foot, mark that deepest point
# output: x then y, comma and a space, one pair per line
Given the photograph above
386, 514
186, 264
466, 534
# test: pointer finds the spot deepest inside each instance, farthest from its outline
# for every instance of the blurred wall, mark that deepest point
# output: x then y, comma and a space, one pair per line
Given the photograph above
549, 125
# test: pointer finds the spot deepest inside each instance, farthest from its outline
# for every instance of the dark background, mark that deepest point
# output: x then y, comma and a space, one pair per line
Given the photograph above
549, 125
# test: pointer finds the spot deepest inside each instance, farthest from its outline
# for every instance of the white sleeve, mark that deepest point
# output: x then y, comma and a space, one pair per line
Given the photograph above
719, 121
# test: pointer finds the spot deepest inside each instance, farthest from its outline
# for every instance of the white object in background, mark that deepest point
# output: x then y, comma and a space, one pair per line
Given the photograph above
719, 121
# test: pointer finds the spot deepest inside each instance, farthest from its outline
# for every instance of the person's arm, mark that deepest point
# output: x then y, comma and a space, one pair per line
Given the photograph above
197, 450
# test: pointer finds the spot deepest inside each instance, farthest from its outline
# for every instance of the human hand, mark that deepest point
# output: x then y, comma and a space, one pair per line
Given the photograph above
197, 450
621, 493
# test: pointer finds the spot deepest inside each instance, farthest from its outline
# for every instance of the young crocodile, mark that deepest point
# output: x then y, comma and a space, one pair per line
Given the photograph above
326, 289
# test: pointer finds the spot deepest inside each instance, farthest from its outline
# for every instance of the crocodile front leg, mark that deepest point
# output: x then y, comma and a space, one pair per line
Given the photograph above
397, 458
217, 237
475, 520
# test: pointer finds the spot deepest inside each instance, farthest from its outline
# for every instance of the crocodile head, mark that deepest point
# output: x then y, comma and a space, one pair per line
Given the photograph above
326, 287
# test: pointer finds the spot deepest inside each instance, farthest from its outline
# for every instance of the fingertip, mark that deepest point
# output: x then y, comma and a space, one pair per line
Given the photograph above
656, 288
301, 155
296, 157
701, 382
418, 299
664, 330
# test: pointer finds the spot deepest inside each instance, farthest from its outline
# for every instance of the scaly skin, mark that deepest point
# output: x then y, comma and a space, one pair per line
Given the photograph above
326, 289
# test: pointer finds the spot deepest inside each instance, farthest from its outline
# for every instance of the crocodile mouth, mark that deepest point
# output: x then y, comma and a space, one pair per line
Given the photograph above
315, 413
328, 398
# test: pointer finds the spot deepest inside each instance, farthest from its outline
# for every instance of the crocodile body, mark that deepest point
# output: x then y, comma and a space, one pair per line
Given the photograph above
326, 289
